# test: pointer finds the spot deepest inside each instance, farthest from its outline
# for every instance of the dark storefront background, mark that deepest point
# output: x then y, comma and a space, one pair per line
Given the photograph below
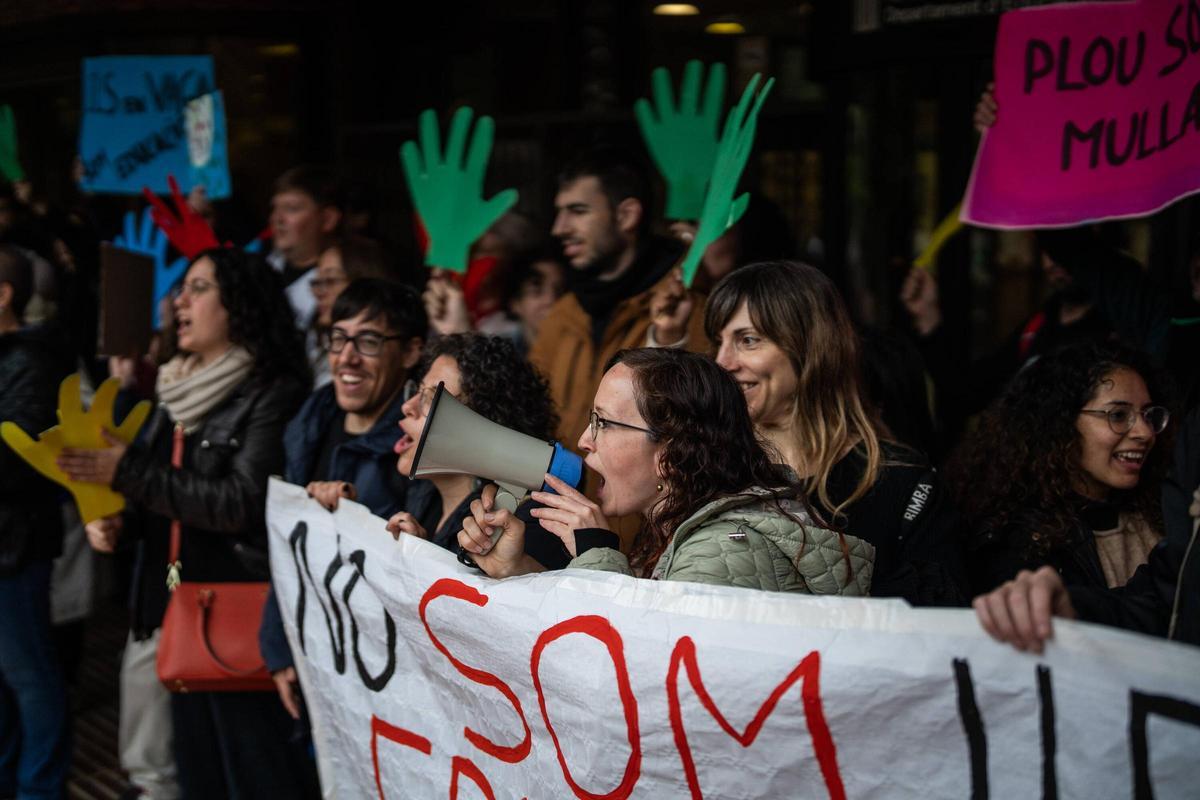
865, 144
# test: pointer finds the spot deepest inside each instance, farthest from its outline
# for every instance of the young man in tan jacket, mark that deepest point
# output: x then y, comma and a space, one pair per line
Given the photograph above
621, 288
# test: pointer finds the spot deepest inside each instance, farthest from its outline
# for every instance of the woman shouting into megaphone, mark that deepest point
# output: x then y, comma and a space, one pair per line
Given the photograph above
670, 439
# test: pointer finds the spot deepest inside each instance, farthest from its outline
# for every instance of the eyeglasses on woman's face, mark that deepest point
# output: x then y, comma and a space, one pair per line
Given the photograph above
193, 288
597, 423
413, 389
367, 343
1121, 419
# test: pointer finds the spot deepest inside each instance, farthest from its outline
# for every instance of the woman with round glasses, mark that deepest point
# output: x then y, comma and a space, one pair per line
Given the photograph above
223, 402
670, 439
487, 375
1065, 469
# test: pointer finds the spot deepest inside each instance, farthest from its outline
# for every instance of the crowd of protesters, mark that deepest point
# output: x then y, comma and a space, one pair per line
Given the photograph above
743, 433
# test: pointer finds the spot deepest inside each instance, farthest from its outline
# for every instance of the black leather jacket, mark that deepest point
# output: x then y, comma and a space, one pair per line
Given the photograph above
219, 495
30, 505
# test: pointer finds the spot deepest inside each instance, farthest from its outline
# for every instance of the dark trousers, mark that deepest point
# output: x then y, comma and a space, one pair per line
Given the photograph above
34, 746
239, 745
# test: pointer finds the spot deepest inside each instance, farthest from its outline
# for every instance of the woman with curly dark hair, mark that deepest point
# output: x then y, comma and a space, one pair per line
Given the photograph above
224, 399
670, 439
487, 375
1065, 469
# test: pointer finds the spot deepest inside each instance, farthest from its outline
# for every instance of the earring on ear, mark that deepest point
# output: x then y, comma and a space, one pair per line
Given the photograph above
660, 487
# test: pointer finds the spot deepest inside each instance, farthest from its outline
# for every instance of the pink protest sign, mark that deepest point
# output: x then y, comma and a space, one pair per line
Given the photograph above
1099, 115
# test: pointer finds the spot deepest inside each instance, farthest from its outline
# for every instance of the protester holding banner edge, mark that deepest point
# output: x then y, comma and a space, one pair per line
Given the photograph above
1066, 469
1161, 599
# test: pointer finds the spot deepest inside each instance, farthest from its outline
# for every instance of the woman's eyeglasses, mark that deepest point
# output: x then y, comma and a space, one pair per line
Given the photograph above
195, 287
366, 343
597, 423
1122, 419
412, 389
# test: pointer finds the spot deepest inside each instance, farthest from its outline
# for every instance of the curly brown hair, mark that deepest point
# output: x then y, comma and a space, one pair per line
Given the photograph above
710, 449
1018, 470
498, 383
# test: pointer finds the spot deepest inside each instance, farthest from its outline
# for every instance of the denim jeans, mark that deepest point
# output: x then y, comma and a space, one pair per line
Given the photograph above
34, 745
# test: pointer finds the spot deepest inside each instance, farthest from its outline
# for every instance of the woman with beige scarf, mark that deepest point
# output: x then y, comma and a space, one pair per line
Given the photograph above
237, 380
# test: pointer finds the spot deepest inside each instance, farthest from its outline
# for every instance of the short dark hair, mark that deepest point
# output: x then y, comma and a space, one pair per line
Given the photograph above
361, 257
621, 176
398, 304
318, 182
17, 271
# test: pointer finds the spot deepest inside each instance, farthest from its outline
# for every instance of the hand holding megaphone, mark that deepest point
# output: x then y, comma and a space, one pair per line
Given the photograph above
565, 511
493, 536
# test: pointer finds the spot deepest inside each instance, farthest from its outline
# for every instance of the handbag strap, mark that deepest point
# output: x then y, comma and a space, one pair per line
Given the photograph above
174, 566
205, 599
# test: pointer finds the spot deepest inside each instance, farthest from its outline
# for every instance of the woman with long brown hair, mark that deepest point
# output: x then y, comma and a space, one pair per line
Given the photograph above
670, 439
782, 331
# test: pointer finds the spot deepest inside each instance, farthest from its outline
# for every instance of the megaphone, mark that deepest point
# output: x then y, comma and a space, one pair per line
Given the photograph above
458, 441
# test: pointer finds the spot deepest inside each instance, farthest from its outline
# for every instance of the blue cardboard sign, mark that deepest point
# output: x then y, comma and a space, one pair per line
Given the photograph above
133, 133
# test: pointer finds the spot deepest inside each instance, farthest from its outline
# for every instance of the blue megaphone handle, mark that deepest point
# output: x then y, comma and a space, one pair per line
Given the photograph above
566, 466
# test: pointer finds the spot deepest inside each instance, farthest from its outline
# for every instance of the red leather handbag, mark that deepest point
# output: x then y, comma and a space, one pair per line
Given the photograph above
209, 640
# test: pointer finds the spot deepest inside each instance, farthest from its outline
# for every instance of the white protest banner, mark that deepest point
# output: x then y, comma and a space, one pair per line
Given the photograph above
425, 679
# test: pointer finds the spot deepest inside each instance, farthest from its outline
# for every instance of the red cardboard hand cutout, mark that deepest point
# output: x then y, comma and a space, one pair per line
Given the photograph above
186, 229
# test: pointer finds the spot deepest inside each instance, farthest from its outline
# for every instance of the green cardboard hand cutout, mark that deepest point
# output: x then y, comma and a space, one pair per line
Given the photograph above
82, 429
721, 209
448, 191
683, 139
10, 165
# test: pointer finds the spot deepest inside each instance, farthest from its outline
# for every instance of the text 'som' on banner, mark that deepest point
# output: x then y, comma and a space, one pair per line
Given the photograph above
1099, 114
425, 679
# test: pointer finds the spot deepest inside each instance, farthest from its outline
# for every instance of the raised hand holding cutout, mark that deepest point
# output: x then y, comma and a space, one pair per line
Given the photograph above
683, 139
80, 431
447, 190
721, 209
186, 229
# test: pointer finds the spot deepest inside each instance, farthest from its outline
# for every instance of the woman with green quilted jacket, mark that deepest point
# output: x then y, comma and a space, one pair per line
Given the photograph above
670, 438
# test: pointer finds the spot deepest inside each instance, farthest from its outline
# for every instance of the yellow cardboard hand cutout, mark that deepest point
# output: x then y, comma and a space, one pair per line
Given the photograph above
80, 429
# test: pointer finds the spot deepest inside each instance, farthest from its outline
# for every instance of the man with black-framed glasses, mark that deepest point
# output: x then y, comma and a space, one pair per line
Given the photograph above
340, 444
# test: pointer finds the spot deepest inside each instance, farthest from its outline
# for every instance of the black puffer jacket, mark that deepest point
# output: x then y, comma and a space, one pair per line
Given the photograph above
30, 514
219, 495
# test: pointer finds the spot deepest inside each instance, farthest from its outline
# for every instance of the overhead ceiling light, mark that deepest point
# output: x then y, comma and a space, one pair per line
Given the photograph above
725, 28
676, 10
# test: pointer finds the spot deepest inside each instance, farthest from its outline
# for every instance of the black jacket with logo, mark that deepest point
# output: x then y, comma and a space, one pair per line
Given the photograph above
909, 518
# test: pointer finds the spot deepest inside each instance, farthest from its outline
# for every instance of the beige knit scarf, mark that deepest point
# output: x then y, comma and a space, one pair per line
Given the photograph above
189, 391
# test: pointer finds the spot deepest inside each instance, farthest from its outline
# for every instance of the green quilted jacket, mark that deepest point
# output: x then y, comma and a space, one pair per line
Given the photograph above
745, 540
